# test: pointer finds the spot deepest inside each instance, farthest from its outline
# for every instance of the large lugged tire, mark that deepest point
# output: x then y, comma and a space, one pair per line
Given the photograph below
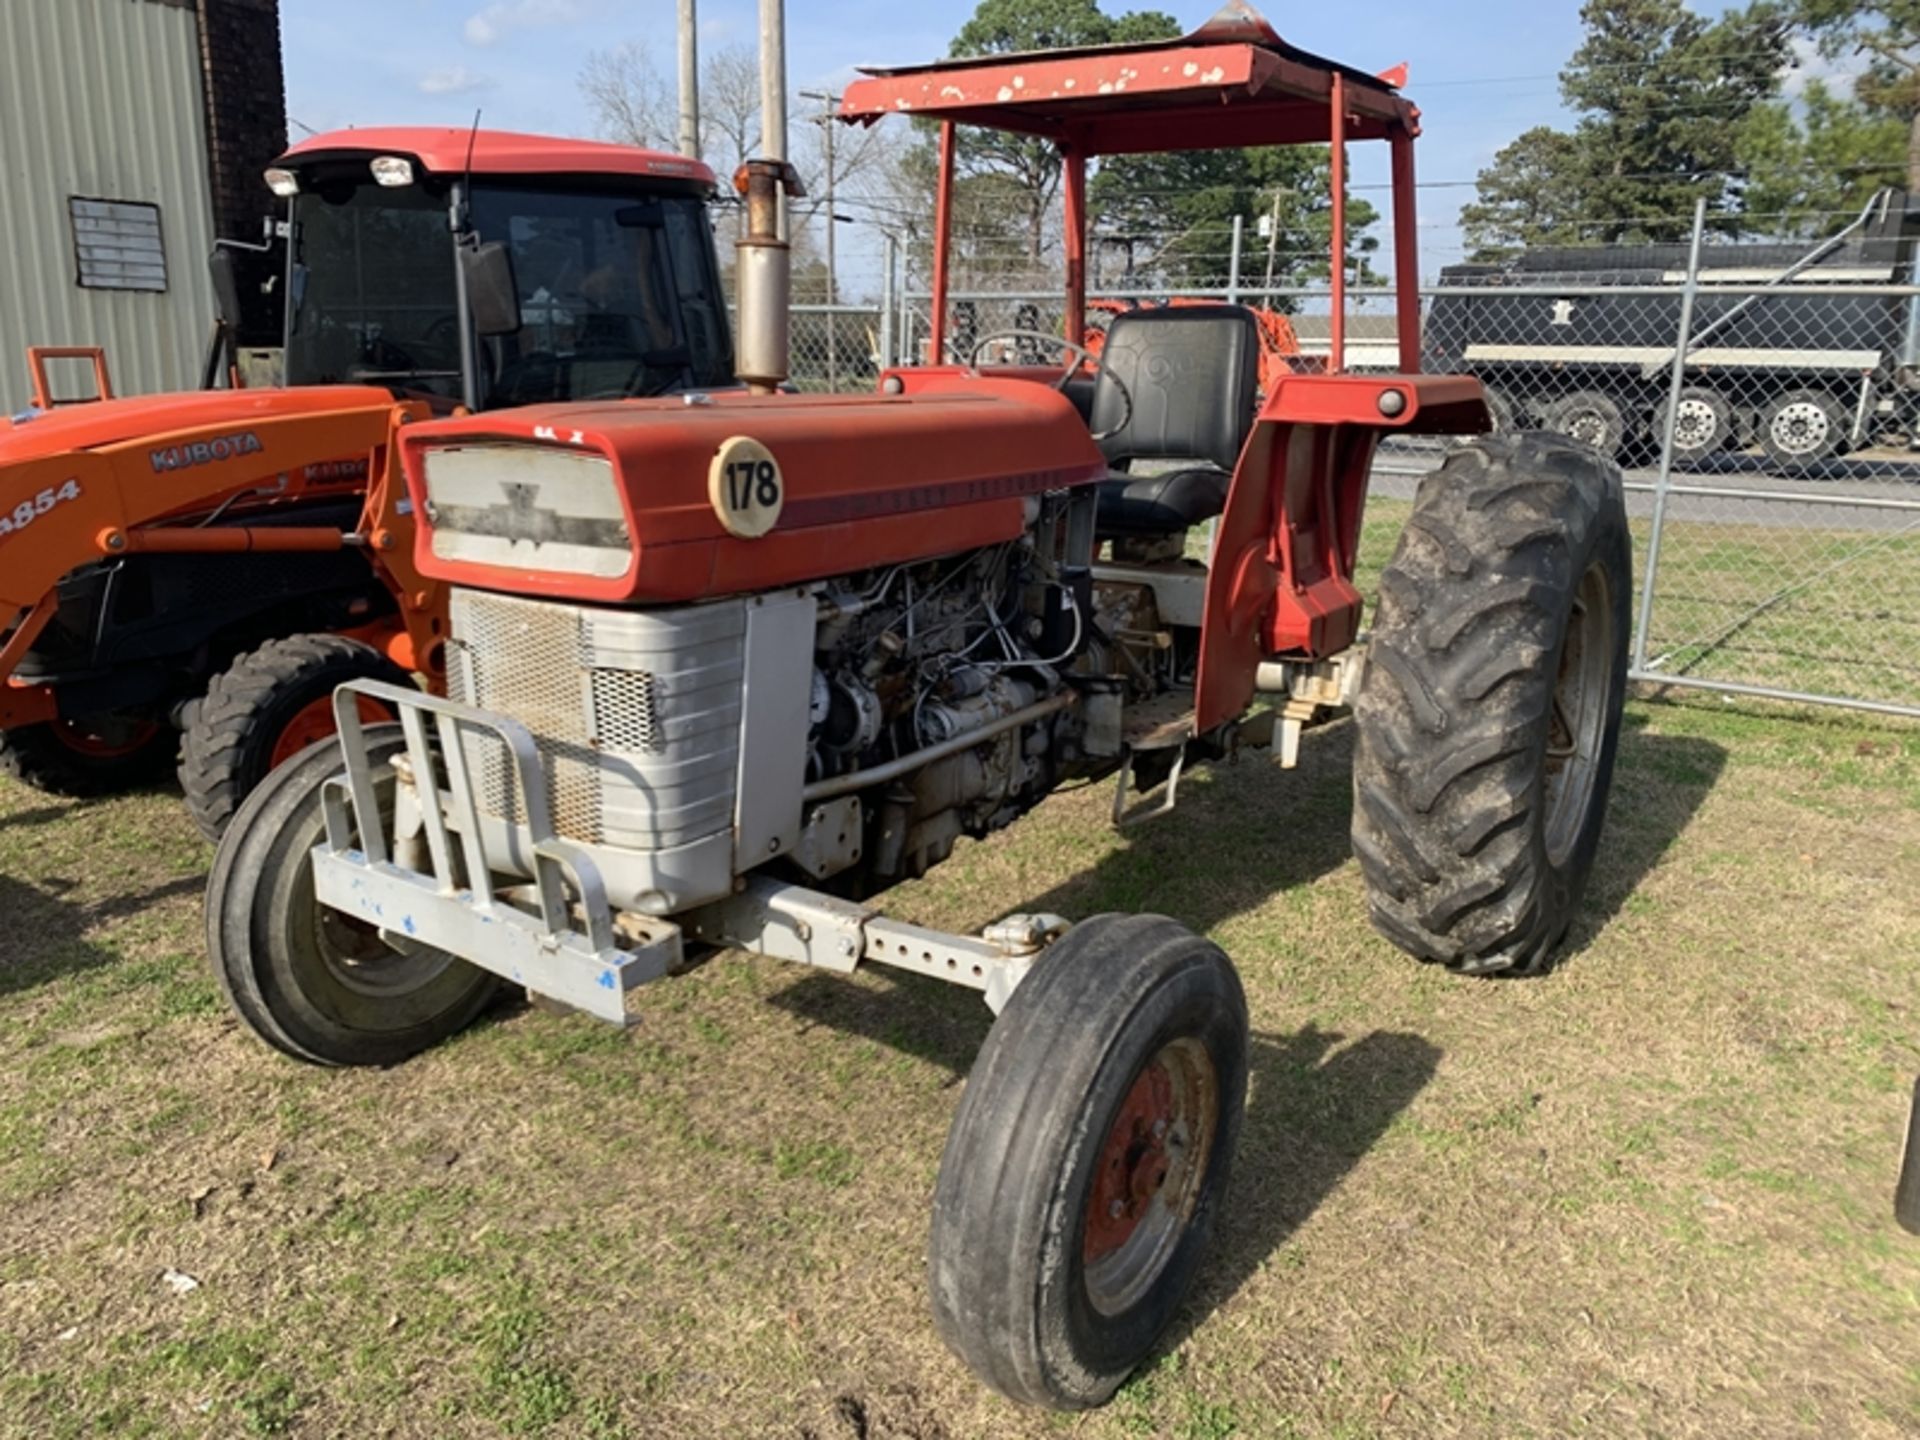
100, 755
267, 707
1489, 710
1087, 1158
306, 979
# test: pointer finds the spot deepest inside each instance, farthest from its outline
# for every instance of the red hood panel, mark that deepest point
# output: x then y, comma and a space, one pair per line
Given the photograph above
868, 479
112, 422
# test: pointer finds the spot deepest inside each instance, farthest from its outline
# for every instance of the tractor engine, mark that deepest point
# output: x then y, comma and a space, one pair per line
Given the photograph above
913, 657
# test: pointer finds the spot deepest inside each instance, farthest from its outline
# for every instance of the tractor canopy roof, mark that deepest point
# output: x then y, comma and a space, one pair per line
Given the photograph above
453, 151
1232, 82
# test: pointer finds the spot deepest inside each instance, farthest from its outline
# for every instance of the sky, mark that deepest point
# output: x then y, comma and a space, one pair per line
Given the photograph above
1482, 71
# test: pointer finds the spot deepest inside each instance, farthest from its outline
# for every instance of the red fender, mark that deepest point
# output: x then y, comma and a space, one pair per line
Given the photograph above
1281, 581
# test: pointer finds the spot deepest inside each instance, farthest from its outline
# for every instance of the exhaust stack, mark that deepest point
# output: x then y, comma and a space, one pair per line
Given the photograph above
764, 274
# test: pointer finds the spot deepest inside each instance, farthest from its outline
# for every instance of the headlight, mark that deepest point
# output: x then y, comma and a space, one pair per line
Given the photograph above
283, 182
533, 507
392, 170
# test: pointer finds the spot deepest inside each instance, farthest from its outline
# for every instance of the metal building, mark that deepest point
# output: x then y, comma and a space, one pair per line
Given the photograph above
135, 132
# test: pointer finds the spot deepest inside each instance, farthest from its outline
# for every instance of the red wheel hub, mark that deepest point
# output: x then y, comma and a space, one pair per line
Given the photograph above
1133, 1164
111, 738
314, 721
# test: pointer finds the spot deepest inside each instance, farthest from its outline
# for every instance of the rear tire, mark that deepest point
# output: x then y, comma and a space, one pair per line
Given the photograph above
1087, 1157
268, 706
1591, 417
80, 759
306, 979
1489, 709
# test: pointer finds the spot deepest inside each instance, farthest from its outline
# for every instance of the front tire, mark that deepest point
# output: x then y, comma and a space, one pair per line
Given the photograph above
306, 979
1087, 1158
1489, 710
268, 706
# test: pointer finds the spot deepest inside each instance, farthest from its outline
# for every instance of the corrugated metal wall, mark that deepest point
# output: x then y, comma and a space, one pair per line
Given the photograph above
101, 98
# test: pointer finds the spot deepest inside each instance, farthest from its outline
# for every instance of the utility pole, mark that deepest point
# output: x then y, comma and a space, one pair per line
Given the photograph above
828, 101
689, 81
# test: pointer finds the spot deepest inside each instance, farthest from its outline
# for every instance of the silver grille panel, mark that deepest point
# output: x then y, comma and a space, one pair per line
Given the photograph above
636, 713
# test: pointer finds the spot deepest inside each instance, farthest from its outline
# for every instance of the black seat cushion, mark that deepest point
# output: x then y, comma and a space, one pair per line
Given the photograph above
1177, 383
1158, 504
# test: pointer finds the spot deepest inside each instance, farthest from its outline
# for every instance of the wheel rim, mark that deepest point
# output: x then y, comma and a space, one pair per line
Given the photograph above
362, 960
1589, 427
314, 721
1149, 1175
1578, 725
106, 737
1800, 428
1696, 426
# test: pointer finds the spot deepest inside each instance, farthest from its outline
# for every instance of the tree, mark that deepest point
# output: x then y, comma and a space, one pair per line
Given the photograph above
1662, 96
1888, 34
1808, 167
1173, 214
1536, 192
1030, 168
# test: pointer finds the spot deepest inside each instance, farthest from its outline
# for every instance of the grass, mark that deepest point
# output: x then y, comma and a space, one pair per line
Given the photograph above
1646, 1194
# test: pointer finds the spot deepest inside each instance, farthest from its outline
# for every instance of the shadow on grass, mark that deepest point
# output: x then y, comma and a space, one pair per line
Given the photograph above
42, 935
1315, 1108
1313, 1112
1659, 783
1247, 832
1244, 832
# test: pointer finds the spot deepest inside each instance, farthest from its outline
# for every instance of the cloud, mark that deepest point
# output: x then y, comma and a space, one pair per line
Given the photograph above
454, 80
1808, 64
489, 25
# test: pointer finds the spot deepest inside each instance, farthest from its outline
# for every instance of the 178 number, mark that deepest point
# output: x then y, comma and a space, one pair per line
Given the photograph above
752, 482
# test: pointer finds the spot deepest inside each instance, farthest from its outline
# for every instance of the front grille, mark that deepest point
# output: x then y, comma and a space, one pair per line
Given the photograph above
635, 713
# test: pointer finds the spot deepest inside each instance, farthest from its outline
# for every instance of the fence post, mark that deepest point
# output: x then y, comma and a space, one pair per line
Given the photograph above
890, 259
1233, 260
1661, 486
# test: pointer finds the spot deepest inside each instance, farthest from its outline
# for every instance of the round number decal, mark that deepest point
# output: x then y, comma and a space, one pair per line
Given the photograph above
746, 488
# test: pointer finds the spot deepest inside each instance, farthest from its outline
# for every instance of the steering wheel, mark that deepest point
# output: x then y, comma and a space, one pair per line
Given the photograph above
1081, 356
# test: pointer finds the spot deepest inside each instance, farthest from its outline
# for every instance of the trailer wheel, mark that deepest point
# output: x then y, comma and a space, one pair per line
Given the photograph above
1704, 427
1592, 417
94, 755
306, 979
1489, 710
1086, 1160
1802, 428
272, 703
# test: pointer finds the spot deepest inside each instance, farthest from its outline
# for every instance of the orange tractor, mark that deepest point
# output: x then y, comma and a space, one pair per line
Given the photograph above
217, 562
723, 667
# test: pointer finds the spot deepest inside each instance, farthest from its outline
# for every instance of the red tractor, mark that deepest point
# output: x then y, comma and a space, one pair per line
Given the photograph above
723, 667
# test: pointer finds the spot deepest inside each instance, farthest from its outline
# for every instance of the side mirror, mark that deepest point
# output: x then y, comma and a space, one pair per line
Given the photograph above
226, 287
491, 293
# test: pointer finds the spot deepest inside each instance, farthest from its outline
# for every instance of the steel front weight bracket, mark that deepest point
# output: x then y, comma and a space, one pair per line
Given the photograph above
569, 944
791, 922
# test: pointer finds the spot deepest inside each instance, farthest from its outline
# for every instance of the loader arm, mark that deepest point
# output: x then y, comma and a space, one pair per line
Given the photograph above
162, 492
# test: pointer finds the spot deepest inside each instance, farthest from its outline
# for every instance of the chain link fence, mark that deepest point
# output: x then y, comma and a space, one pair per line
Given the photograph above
1760, 399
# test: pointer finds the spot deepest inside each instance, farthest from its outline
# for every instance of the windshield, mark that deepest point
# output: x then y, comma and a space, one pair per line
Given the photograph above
619, 293
371, 294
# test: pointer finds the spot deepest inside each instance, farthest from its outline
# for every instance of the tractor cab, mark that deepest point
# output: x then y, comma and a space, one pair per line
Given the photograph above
496, 269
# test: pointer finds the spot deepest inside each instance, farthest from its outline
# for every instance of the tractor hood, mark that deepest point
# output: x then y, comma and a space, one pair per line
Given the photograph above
101, 423
692, 496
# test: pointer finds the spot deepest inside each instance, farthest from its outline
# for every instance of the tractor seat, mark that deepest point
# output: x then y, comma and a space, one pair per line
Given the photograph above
1176, 383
